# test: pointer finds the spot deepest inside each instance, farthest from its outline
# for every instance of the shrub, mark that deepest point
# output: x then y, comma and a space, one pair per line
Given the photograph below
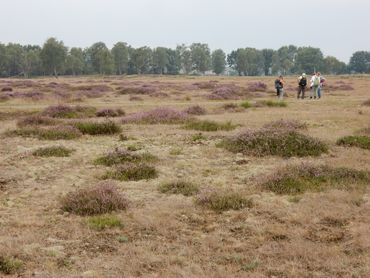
143, 90
179, 187
132, 172
10, 265
257, 87
120, 156
286, 143
285, 124
355, 141
52, 133
222, 200
225, 92
101, 222
157, 116
307, 177
36, 120
7, 89
108, 112
66, 111
271, 103
98, 128
208, 125
100, 199
246, 104
57, 151
198, 137
195, 110
135, 98
366, 102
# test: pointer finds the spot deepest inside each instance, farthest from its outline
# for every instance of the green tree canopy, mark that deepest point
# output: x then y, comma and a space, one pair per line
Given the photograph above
218, 61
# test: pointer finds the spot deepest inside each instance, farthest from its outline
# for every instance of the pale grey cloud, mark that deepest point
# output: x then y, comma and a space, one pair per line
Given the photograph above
338, 27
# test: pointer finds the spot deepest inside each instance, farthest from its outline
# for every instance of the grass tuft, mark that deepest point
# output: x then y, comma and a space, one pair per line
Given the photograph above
10, 265
36, 120
132, 172
285, 143
69, 112
52, 133
246, 104
57, 151
102, 222
179, 187
206, 125
306, 177
98, 128
222, 200
100, 199
271, 103
121, 156
355, 141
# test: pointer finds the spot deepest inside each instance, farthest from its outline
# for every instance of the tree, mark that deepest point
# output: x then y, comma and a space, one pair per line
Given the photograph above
267, 58
3, 60
254, 62
32, 64
15, 59
141, 59
241, 61
101, 58
287, 55
75, 61
174, 62
53, 56
218, 61
160, 60
120, 57
200, 57
309, 59
360, 62
184, 54
333, 66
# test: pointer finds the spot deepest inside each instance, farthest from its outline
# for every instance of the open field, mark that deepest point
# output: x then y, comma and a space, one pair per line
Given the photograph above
194, 198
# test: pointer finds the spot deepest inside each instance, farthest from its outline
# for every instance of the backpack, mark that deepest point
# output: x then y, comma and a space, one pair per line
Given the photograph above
316, 81
302, 82
277, 84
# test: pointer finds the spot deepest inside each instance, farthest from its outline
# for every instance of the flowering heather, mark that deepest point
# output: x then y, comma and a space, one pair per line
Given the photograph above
132, 172
66, 111
35, 96
93, 88
297, 179
195, 110
160, 115
222, 200
339, 86
36, 120
285, 143
225, 92
100, 199
206, 85
257, 87
121, 156
7, 89
285, 124
159, 95
109, 112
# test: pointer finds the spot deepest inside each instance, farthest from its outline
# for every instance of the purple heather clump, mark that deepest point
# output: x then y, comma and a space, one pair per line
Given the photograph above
160, 115
257, 87
225, 92
109, 112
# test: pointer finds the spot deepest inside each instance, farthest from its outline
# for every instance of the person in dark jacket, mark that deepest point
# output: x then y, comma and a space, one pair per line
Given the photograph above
302, 84
279, 85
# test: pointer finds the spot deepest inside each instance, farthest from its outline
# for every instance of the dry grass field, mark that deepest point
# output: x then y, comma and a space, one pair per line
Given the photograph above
153, 188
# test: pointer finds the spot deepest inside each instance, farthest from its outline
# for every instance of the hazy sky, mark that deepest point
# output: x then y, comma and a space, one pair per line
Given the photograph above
338, 27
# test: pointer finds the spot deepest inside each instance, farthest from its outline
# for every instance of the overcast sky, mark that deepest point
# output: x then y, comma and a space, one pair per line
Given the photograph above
338, 27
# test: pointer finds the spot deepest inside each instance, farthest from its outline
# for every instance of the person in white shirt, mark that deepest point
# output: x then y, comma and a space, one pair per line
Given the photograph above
315, 84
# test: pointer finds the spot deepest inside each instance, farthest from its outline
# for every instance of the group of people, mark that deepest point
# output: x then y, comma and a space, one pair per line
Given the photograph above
316, 84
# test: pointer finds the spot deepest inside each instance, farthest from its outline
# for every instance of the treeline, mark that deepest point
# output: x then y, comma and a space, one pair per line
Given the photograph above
54, 58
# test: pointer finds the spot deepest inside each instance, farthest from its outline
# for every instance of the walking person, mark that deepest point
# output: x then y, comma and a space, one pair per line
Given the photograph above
322, 81
315, 83
302, 84
279, 85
